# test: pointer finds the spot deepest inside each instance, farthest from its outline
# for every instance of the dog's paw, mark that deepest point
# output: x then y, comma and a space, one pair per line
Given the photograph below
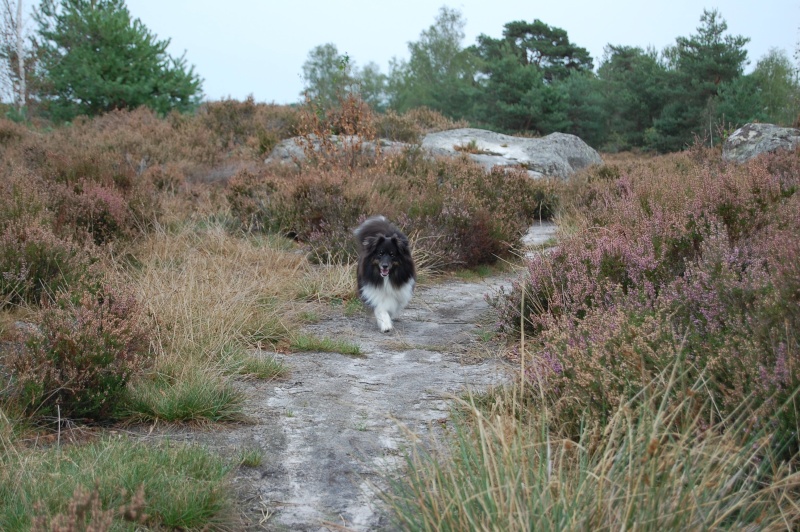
384, 321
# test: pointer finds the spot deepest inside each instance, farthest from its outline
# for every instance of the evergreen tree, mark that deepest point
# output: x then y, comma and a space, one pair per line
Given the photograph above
585, 111
548, 48
702, 64
633, 83
523, 83
94, 58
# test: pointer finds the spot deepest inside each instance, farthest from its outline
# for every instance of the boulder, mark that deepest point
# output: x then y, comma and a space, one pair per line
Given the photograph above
557, 154
754, 139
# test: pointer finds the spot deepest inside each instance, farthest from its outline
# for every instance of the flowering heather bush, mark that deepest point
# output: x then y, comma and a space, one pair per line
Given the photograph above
466, 215
79, 362
96, 210
248, 125
671, 258
35, 263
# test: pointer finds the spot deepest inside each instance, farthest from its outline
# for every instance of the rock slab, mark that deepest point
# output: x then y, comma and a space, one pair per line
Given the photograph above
556, 155
751, 140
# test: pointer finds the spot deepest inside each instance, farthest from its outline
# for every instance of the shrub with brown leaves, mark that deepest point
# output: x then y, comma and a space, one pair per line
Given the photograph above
79, 360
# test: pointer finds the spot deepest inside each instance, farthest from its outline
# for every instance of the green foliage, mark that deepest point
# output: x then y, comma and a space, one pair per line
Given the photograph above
778, 88
193, 395
632, 84
306, 342
95, 59
174, 486
78, 361
528, 83
702, 64
439, 72
548, 48
328, 75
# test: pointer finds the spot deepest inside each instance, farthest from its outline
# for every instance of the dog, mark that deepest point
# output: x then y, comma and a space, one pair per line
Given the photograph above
386, 273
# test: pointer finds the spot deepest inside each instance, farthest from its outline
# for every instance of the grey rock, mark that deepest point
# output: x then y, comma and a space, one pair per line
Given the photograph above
751, 140
557, 154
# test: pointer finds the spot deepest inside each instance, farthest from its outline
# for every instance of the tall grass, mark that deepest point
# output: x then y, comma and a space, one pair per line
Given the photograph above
213, 297
656, 465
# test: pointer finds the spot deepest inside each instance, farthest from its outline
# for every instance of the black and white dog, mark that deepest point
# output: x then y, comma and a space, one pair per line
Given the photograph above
386, 274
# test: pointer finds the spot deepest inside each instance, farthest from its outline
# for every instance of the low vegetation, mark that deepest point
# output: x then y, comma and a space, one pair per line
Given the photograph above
149, 263
657, 356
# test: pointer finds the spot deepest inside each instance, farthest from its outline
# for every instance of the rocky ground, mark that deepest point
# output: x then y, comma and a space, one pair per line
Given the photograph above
334, 432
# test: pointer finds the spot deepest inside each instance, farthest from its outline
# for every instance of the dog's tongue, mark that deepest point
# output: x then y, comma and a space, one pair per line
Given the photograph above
384, 273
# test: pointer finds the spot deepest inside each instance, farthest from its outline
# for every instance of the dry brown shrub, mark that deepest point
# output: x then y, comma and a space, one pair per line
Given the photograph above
247, 128
85, 513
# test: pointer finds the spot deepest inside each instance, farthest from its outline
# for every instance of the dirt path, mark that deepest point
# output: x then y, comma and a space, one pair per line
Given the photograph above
333, 430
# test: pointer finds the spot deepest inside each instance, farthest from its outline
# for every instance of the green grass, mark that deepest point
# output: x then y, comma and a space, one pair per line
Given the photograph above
238, 360
309, 316
195, 396
251, 457
657, 465
184, 487
486, 335
308, 342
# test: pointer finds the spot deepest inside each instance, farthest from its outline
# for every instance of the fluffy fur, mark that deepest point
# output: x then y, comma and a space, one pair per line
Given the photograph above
386, 273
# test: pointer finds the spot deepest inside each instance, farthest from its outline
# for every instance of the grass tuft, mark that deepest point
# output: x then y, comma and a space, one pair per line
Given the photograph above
656, 465
183, 487
308, 342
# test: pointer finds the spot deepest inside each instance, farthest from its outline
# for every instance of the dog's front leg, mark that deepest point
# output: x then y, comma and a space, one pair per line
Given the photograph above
384, 320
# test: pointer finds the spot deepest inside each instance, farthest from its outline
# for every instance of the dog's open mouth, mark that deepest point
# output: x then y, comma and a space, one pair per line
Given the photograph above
384, 272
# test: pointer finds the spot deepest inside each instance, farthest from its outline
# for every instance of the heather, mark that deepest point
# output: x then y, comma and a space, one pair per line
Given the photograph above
678, 257
151, 263
455, 210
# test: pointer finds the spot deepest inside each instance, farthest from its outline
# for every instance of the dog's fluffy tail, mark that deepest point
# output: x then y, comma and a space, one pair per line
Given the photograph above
368, 225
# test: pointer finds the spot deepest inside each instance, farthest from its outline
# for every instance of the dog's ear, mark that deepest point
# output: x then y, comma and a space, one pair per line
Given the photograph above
400, 243
371, 242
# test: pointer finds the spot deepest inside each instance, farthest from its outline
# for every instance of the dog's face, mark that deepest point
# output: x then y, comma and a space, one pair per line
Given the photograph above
384, 252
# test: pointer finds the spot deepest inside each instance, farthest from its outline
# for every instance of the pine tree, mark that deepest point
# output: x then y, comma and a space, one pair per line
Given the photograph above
94, 58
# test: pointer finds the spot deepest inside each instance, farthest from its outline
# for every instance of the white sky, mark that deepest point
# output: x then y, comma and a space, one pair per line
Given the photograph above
258, 47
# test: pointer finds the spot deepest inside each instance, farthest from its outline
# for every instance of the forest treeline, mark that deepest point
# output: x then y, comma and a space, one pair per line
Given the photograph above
89, 57
534, 80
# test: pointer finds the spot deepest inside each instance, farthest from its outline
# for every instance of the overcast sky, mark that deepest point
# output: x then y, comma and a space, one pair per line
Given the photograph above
258, 47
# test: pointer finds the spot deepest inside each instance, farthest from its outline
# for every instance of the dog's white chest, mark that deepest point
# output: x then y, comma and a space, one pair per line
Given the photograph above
387, 297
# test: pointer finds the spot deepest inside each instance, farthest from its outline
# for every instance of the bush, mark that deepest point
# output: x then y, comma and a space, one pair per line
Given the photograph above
693, 258
248, 125
35, 264
79, 361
